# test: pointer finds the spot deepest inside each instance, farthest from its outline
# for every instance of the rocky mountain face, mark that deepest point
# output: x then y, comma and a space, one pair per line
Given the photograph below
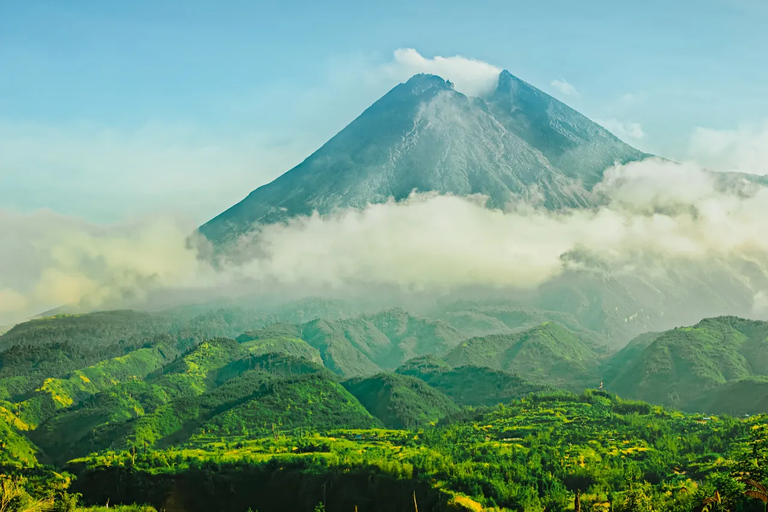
515, 144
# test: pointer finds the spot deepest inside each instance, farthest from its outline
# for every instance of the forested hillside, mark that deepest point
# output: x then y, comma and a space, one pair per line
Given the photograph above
695, 367
548, 353
476, 422
400, 401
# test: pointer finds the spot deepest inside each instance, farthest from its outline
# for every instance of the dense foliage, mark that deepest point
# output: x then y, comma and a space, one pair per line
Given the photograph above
155, 407
718, 365
400, 401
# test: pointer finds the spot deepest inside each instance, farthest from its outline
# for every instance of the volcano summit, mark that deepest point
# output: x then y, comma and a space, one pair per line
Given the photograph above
515, 144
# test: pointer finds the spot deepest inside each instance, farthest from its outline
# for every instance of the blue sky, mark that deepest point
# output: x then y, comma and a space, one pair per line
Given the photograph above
109, 110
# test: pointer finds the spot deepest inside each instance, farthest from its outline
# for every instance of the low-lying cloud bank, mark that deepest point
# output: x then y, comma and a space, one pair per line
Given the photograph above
656, 213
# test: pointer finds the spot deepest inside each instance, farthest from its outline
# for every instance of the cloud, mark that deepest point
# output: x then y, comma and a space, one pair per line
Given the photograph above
622, 129
655, 207
657, 213
469, 76
744, 149
49, 260
564, 87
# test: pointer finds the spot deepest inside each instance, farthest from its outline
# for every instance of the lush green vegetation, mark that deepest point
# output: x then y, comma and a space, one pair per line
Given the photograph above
15, 448
161, 406
481, 319
372, 343
400, 401
695, 368
468, 385
546, 354
554, 451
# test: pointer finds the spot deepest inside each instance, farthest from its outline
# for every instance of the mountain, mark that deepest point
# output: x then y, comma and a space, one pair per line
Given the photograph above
282, 338
400, 401
517, 143
689, 367
469, 385
480, 318
549, 354
361, 345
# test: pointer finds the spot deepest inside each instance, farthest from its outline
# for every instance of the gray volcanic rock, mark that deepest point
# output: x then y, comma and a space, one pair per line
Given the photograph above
516, 144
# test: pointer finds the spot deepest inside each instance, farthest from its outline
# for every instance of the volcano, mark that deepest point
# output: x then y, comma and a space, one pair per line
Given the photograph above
514, 144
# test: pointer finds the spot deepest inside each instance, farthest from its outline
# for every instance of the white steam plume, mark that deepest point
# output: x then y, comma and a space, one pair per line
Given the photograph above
469, 76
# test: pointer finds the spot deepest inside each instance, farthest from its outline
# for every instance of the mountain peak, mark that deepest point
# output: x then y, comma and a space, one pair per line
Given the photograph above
423, 81
517, 144
506, 75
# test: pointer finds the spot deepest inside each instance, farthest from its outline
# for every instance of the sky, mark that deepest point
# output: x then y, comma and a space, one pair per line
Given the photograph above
110, 111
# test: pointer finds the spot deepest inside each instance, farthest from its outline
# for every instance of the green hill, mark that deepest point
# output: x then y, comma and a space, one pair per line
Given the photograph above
468, 385
102, 328
400, 401
54, 347
164, 416
370, 343
362, 345
15, 448
57, 394
679, 366
475, 319
312, 401
282, 338
548, 354
739, 397
118, 402
624, 358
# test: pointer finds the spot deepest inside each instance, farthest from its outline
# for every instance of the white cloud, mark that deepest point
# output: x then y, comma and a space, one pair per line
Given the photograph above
622, 129
656, 211
50, 260
744, 149
469, 76
565, 88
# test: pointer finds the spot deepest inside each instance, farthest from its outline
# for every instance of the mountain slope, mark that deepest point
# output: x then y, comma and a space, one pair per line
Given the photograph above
578, 147
516, 144
400, 401
680, 366
15, 448
548, 354
313, 401
118, 402
369, 344
468, 385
